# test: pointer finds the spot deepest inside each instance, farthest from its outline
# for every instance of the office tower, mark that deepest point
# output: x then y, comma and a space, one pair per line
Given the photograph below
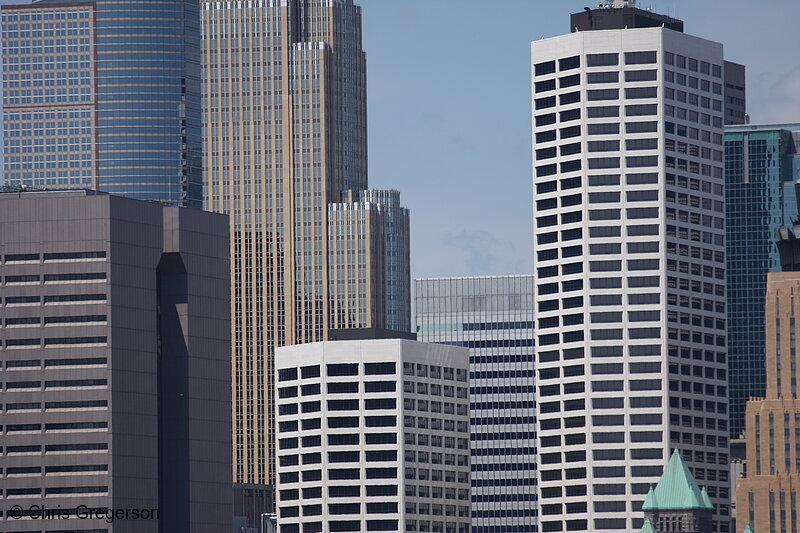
629, 270
677, 503
493, 317
761, 166
104, 95
767, 495
369, 271
373, 436
115, 360
734, 92
285, 140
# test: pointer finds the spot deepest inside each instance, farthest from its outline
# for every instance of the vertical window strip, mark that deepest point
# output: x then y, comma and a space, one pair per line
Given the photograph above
793, 497
772, 512
758, 445
787, 450
793, 354
783, 512
797, 442
778, 343
771, 444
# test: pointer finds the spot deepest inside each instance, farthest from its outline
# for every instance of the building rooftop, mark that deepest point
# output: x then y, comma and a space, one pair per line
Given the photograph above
676, 489
619, 15
16, 190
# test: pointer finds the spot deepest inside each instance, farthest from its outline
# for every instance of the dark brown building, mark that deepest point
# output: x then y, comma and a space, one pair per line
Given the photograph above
115, 362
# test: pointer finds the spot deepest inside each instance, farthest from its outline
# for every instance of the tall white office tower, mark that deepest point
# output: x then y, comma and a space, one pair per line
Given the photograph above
629, 267
373, 435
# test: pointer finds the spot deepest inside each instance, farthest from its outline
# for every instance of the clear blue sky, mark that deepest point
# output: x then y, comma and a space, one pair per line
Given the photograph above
449, 110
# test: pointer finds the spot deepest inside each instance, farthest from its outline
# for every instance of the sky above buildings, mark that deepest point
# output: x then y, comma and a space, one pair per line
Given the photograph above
449, 110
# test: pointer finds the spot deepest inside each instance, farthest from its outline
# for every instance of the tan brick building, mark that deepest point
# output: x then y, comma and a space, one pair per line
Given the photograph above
767, 495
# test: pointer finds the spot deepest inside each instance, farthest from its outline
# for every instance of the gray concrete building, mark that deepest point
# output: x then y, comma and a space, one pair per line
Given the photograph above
373, 435
493, 317
115, 363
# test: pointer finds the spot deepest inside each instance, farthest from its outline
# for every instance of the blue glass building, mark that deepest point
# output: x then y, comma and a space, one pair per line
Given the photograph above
104, 95
761, 167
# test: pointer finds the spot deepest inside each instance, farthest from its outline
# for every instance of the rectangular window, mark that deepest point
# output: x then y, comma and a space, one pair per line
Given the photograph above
602, 60
640, 58
603, 112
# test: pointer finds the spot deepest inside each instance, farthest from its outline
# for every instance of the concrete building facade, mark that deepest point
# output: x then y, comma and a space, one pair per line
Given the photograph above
115, 362
629, 271
493, 317
373, 435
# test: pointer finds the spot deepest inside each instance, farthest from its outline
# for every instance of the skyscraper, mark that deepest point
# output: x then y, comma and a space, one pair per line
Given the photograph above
629, 267
285, 140
493, 317
767, 495
761, 166
115, 362
104, 95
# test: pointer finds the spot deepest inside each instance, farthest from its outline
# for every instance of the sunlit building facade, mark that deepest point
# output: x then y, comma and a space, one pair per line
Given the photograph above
285, 139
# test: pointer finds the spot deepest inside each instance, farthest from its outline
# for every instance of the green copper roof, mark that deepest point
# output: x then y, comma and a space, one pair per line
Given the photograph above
676, 489
648, 527
748, 529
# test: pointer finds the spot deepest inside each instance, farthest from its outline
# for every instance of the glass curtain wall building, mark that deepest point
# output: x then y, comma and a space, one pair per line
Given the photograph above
493, 317
629, 273
762, 164
285, 138
104, 95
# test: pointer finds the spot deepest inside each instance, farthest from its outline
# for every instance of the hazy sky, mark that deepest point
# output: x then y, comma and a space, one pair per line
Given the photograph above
449, 110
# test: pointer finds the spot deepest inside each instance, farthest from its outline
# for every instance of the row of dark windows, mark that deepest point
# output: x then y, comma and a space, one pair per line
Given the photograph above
608, 111
337, 370
634, 350
32, 363
57, 256
370, 456
62, 383
500, 359
649, 367
597, 232
30, 278
314, 389
28, 406
339, 491
598, 266
595, 60
499, 343
631, 213
55, 341
604, 128
55, 320
334, 526
595, 198
55, 298
601, 180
